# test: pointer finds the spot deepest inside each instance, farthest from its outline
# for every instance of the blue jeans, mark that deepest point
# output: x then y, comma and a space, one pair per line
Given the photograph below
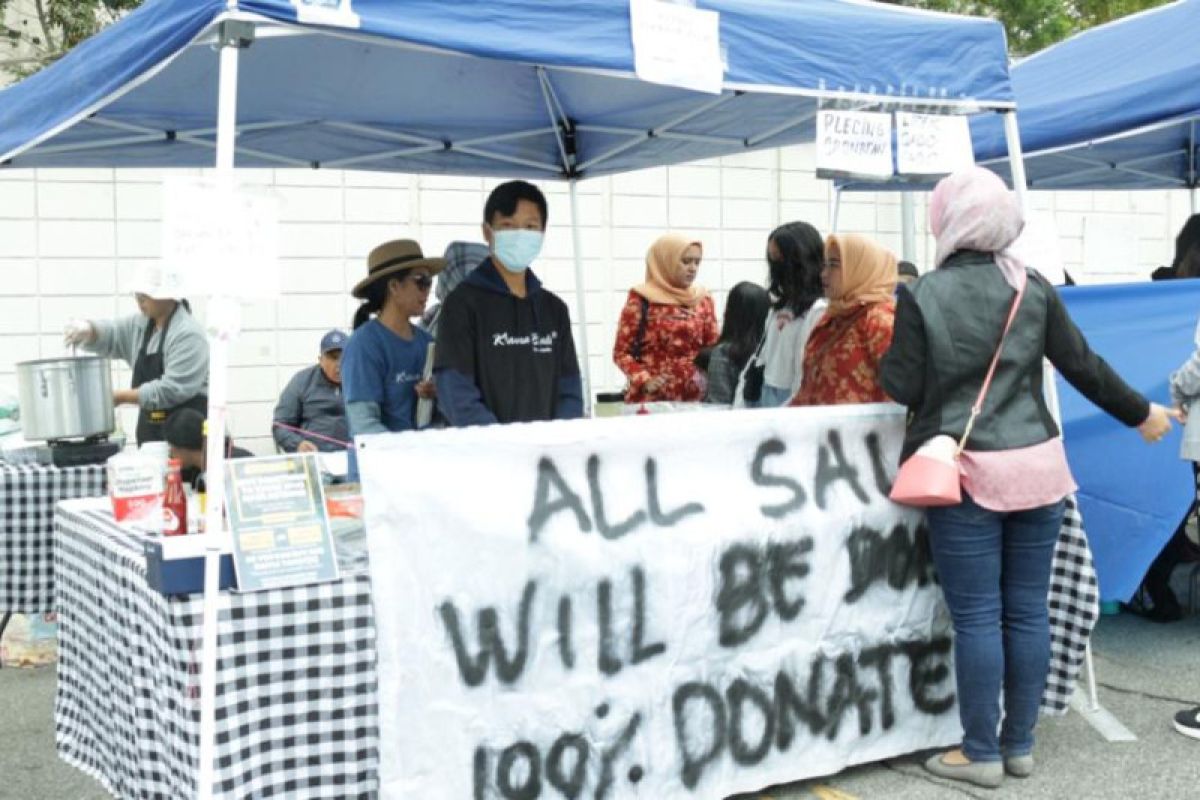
994, 568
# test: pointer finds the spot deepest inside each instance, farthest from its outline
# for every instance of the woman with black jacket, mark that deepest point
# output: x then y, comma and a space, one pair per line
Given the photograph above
993, 550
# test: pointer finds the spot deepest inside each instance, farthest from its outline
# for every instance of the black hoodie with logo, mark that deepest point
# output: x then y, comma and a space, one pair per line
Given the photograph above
503, 358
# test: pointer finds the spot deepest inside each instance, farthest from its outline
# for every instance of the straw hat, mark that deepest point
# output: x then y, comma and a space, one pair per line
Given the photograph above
392, 257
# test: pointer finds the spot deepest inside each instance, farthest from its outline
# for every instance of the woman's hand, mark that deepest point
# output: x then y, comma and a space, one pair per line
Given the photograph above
306, 447
654, 384
77, 332
1181, 414
426, 390
124, 396
1158, 423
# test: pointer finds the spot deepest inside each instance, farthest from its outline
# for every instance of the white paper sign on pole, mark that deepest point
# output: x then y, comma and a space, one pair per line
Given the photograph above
624, 608
854, 142
220, 239
932, 144
676, 45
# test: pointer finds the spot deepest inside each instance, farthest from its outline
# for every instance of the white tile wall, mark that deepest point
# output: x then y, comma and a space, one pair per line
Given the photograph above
70, 240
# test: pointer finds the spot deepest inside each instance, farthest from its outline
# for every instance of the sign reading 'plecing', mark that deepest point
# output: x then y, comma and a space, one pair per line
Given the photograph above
684, 606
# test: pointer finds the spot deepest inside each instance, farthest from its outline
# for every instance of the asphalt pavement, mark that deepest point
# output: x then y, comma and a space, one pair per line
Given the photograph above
1146, 672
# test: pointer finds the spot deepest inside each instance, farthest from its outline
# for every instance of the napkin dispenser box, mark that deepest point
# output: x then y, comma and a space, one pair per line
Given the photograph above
175, 565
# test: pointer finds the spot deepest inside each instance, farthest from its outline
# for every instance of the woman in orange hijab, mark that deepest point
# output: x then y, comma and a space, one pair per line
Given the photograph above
841, 360
665, 323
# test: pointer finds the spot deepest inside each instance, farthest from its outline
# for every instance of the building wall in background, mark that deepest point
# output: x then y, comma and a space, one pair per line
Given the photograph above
70, 240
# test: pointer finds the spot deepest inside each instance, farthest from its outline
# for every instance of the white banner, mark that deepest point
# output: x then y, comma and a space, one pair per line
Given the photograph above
932, 144
676, 606
854, 142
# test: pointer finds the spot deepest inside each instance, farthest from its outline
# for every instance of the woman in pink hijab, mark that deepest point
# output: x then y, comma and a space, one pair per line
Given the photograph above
993, 550
666, 322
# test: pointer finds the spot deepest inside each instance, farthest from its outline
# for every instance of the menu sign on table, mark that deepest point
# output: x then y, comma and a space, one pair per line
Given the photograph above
280, 528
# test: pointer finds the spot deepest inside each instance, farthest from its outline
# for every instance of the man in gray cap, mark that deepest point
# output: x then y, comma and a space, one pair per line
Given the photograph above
310, 415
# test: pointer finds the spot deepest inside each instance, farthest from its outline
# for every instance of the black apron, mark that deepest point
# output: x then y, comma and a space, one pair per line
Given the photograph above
151, 367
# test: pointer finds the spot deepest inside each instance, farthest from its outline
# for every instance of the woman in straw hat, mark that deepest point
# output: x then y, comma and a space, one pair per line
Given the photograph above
666, 322
384, 361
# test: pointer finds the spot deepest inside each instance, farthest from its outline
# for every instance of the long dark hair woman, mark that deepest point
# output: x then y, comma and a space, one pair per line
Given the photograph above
993, 550
745, 310
795, 254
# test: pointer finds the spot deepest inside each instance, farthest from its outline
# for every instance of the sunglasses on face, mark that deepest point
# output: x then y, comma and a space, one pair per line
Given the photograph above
422, 282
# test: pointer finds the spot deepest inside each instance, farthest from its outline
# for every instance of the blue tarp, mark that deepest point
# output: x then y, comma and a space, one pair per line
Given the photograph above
1113, 107
1132, 495
435, 86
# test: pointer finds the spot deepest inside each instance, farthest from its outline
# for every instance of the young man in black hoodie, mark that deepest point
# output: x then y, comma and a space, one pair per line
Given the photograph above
504, 351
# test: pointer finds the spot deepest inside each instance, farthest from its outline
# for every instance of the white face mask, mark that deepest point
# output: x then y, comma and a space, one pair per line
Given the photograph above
516, 249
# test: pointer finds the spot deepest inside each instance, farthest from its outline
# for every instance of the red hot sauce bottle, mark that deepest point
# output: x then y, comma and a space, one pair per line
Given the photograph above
174, 502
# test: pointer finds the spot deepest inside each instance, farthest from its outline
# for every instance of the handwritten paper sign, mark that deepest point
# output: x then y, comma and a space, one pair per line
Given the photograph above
327, 12
280, 528
220, 239
676, 45
630, 607
854, 142
932, 144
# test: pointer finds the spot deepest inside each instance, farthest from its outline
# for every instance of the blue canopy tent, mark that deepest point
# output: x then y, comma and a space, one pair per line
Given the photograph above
1087, 125
516, 88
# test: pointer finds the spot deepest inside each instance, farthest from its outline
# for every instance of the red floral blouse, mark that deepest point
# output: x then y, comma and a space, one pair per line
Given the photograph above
841, 360
674, 336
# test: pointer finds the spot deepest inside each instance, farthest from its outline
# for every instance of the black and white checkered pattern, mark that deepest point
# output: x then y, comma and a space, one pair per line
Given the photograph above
1074, 602
28, 494
297, 701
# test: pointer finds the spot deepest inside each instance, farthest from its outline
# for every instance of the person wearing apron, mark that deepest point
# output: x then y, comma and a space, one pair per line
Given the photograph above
170, 369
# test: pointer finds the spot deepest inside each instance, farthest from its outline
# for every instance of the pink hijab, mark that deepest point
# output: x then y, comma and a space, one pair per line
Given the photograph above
972, 209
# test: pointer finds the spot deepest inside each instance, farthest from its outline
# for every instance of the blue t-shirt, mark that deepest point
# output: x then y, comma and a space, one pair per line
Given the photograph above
378, 366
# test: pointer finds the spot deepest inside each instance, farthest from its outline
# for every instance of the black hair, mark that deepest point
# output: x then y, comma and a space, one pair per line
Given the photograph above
745, 310
795, 283
504, 199
1187, 240
185, 429
377, 293
1187, 249
907, 268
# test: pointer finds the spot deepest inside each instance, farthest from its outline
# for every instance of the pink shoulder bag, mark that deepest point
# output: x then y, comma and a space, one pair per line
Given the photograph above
931, 476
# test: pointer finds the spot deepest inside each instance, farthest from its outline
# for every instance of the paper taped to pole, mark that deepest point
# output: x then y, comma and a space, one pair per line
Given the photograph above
644, 607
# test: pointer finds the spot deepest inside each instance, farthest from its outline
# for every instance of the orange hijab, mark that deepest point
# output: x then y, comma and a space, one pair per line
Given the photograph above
868, 272
663, 269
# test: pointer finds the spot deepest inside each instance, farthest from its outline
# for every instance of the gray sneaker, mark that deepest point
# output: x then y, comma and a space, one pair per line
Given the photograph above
1019, 766
988, 774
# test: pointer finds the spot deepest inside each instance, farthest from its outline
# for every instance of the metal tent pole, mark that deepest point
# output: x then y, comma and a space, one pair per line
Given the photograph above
908, 227
223, 313
581, 302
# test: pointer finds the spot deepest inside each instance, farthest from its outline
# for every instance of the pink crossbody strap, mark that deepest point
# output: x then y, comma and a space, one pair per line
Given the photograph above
987, 381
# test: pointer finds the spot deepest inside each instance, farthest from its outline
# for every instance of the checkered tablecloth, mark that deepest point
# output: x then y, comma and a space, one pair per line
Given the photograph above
296, 711
28, 494
1074, 602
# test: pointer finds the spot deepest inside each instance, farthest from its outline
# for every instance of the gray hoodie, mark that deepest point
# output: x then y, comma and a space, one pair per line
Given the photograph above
185, 357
